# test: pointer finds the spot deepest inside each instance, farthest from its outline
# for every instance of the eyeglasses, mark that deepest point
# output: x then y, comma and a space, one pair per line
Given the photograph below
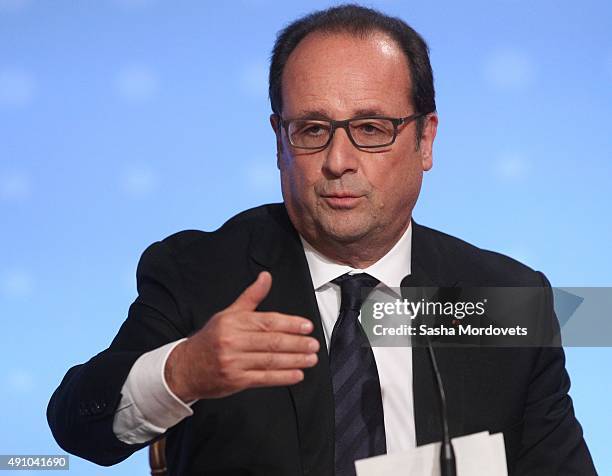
363, 132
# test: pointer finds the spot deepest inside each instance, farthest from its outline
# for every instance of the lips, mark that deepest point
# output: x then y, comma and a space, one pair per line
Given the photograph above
341, 195
344, 201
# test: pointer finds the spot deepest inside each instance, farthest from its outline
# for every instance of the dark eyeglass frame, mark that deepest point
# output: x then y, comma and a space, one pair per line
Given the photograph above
344, 124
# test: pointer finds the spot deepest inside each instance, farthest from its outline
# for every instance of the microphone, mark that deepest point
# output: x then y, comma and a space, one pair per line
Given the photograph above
448, 466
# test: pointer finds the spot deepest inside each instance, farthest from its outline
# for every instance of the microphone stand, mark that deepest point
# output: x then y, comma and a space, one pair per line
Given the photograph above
448, 466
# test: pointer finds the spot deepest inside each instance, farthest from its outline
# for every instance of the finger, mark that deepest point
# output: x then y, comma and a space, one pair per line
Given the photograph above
272, 378
278, 322
278, 361
254, 294
277, 342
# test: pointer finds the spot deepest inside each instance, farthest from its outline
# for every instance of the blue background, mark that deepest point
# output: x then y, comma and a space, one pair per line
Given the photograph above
124, 121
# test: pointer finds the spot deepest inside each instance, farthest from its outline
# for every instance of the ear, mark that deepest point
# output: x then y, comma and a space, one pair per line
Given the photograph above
275, 123
427, 139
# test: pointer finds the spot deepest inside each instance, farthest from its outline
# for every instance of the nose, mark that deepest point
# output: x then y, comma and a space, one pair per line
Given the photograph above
341, 156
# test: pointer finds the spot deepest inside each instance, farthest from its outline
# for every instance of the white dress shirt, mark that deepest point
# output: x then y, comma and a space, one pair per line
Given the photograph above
148, 407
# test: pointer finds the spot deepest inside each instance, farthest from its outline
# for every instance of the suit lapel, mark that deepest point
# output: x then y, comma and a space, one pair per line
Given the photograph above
278, 249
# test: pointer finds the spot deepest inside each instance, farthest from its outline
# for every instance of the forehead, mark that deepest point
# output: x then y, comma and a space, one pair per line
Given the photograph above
342, 73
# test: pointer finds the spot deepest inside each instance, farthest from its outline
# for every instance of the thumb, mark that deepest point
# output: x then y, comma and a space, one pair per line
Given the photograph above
254, 294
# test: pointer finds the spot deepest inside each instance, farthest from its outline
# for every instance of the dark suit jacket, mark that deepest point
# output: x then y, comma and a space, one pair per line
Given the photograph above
186, 278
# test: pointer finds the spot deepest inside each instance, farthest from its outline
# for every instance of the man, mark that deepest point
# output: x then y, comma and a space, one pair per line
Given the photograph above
243, 347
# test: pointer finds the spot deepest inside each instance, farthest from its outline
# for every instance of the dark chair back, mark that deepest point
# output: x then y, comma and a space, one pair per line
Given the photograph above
157, 458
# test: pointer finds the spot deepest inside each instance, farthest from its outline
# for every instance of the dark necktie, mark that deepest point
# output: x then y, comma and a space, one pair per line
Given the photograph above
360, 428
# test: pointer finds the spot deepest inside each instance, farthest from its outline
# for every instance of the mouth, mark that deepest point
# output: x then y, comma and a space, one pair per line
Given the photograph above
342, 201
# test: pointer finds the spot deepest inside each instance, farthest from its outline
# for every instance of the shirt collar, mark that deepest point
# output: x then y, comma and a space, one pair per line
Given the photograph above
389, 270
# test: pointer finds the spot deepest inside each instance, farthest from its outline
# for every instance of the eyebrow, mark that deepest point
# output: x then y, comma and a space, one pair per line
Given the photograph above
323, 115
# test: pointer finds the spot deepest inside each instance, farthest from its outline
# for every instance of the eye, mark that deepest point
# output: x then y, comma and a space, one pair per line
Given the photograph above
313, 130
371, 128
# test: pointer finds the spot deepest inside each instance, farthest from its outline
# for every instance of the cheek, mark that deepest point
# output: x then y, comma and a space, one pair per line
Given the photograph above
297, 177
396, 185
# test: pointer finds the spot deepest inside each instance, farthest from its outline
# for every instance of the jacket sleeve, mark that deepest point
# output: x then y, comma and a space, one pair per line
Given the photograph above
552, 439
81, 410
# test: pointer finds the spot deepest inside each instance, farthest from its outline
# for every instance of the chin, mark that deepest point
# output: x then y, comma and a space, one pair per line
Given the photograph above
345, 231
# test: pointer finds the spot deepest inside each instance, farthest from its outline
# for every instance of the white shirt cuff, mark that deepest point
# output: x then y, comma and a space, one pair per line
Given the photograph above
148, 407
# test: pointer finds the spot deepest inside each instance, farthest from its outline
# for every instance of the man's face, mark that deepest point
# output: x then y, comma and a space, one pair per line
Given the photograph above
343, 195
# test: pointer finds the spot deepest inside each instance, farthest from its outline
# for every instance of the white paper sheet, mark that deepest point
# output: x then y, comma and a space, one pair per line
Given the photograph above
476, 455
